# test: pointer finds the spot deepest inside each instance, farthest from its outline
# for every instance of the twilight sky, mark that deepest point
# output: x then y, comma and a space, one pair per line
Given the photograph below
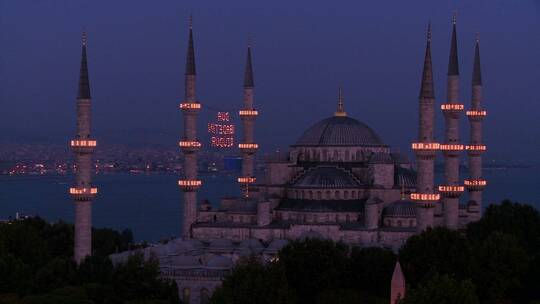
302, 51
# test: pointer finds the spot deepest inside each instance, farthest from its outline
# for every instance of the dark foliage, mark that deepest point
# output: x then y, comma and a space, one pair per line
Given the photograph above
36, 266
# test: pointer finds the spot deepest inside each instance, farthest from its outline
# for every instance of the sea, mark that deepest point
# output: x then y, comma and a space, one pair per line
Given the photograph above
151, 204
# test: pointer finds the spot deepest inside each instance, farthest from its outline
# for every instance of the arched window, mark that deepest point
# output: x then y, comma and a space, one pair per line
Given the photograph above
328, 194
346, 194
353, 194
205, 296
399, 223
310, 193
319, 195
336, 195
186, 294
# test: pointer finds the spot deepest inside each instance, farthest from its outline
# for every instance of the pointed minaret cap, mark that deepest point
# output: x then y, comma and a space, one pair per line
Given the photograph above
477, 74
426, 88
453, 65
190, 57
248, 74
340, 106
397, 286
84, 82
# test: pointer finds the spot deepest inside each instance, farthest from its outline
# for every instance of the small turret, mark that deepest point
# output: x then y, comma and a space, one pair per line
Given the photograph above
397, 286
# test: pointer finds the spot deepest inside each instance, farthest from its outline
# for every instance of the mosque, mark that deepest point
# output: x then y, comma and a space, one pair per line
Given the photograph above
338, 181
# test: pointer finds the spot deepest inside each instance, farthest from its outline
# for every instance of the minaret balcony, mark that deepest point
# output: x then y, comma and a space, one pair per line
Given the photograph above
425, 200
475, 184
425, 150
475, 149
454, 107
452, 150
480, 113
476, 115
83, 146
190, 107
247, 180
248, 113
189, 146
189, 184
83, 194
248, 148
452, 191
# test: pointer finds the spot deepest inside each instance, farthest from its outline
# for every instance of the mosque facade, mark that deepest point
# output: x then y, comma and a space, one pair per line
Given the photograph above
338, 181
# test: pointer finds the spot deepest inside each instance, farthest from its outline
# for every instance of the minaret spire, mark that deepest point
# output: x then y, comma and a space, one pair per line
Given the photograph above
84, 83
248, 74
477, 73
426, 89
340, 105
453, 66
190, 57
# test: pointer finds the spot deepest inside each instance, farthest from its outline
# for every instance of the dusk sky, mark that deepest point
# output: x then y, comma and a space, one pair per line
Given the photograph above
302, 51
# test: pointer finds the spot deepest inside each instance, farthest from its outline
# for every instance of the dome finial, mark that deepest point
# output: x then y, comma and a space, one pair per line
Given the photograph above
340, 107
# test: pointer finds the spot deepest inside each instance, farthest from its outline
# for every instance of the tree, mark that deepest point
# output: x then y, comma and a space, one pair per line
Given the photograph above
501, 266
520, 220
253, 282
313, 266
436, 251
442, 290
371, 270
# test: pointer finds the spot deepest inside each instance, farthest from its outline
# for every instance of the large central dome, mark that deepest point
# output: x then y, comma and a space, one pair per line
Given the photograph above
339, 131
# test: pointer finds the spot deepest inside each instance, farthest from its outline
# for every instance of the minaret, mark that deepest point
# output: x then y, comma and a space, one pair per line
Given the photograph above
452, 148
397, 285
83, 146
248, 147
190, 144
475, 184
426, 148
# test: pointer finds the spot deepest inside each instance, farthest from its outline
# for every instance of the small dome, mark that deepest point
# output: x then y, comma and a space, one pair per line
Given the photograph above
402, 208
311, 235
251, 243
220, 262
277, 244
185, 261
221, 244
327, 177
339, 131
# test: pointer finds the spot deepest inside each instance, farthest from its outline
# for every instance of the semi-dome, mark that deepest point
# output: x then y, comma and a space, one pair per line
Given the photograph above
401, 208
339, 131
327, 177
